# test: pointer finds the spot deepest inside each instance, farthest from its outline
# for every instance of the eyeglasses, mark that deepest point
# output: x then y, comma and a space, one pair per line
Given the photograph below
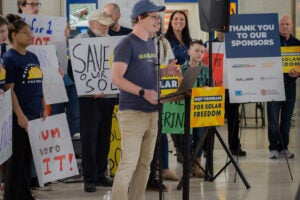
155, 17
32, 5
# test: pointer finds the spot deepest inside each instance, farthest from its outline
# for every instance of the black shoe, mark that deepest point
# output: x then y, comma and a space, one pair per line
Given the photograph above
89, 187
105, 182
238, 152
154, 185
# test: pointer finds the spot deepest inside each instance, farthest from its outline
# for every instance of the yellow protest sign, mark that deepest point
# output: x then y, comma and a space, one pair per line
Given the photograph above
115, 144
290, 58
169, 84
207, 107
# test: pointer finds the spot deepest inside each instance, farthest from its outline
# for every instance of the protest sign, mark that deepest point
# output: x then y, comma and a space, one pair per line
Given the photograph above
53, 86
254, 59
207, 107
52, 148
91, 62
173, 117
218, 60
49, 30
5, 126
169, 83
290, 58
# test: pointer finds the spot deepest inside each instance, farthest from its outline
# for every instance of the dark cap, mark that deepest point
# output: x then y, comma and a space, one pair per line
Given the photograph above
143, 6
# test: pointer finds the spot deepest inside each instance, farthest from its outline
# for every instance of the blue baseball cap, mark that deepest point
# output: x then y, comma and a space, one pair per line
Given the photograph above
143, 6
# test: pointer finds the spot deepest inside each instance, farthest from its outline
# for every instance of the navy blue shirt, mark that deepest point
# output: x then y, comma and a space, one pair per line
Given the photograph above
180, 51
141, 58
24, 71
123, 31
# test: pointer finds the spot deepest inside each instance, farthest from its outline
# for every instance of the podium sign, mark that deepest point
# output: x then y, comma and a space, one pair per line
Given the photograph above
207, 107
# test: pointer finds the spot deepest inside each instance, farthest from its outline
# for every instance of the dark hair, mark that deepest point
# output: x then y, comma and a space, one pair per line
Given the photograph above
15, 24
143, 16
19, 4
186, 37
3, 21
200, 42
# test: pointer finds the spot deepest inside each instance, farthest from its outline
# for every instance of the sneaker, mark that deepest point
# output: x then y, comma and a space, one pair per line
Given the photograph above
238, 152
47, 187
105, 182
76, 136
273, 154
89, 187
154, 185
287, 153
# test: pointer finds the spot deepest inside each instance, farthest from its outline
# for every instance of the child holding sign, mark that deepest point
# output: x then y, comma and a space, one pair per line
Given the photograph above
196, 53
24, 78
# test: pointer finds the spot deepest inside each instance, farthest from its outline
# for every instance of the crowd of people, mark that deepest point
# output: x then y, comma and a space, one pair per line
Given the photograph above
134, 71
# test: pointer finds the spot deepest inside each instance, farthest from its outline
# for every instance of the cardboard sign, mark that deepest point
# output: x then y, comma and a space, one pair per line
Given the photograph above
49, 30
52, 148
5, 126
53, 85
91, 59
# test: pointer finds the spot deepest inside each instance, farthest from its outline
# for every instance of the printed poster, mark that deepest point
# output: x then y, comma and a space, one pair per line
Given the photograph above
253, 61
207, 106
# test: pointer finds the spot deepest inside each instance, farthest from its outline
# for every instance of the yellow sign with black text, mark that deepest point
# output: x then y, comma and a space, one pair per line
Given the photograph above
290, 58
207, 107
169, 84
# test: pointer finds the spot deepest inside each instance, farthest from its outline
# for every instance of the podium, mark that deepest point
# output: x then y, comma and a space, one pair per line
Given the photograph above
184, 92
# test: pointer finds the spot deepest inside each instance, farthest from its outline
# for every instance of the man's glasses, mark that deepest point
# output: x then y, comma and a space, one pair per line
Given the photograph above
32, 5
155, 17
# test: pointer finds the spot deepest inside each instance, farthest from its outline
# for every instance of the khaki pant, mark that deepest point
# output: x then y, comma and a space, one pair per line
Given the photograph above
138, 137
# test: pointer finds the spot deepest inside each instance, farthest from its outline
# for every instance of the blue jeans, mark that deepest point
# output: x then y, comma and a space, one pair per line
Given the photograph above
279, 119
195, 137
71, 108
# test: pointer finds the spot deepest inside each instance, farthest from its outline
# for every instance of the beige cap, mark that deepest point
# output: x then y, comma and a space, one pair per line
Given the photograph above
100, 17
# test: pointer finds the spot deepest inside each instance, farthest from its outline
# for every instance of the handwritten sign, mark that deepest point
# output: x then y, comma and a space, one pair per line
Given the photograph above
53, 84
5, 126
49, 30
91, 58
173, 117
52, 148
218, 67
290, 58
207, 107
115, 144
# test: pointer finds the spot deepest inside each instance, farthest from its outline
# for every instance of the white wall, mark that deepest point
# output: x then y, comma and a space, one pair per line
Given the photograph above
282, 7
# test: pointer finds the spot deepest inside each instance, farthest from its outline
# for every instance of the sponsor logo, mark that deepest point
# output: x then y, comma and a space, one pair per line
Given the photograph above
245, 79
243, 66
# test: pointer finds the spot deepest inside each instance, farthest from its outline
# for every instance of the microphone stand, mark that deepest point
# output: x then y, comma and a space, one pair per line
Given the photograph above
159, 107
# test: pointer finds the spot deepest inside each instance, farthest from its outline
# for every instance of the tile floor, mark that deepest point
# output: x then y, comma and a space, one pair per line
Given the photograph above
269, 179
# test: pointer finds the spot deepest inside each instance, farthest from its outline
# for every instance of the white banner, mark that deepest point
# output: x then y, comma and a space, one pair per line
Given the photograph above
49, 30
255, 80
91, 62
52, 148
5, 126
53, 84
